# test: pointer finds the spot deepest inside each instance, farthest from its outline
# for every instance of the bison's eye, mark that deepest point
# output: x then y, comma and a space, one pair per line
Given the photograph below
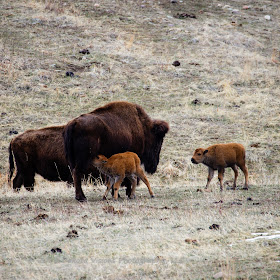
199, 154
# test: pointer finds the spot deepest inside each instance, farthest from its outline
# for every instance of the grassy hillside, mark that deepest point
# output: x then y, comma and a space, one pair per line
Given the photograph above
226, 89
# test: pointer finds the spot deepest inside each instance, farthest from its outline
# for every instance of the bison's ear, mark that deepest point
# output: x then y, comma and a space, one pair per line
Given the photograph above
205, 152
160, 128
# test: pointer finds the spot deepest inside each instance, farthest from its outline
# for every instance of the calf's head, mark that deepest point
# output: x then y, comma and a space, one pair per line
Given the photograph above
153, 145
199, 156
99, 161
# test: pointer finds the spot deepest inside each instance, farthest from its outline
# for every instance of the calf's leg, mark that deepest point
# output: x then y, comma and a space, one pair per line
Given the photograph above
221, 177
210, 176
234, 168
117, 185
133, 180
141, 175
245, 171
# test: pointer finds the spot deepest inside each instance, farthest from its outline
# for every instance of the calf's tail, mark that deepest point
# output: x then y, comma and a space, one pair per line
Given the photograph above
12, 165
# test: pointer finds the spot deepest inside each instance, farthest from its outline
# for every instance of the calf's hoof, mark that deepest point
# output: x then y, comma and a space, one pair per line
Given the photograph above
152, 196
132, 196
246, 188
104, 197
16, 189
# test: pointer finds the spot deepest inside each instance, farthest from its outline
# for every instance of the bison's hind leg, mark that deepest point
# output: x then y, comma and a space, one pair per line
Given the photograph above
17, 182
28, 181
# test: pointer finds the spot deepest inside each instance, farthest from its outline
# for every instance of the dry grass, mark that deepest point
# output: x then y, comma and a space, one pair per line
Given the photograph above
229, 63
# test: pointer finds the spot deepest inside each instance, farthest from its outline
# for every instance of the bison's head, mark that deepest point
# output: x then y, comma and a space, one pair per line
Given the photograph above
153, 145
199, 156
99, 161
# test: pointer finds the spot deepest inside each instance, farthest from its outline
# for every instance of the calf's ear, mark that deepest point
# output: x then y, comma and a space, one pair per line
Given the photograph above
104, 161
205, 152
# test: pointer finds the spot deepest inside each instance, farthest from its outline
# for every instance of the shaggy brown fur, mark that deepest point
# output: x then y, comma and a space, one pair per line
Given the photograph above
38, 151
119, 166
114, 128
41, 151
220, 156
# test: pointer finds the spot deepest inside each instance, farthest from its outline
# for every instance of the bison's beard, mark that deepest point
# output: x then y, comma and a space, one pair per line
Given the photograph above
151, 158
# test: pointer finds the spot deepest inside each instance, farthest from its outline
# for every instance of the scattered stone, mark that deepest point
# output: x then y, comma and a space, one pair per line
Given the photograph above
196, 102
56, 250
255, 145
199, 190
13, 131
235, 11
245, 7
176, 63
256, 203
84, 51
236, 203
41, 217
220, 201
69, 74
214, 226
267, 17
194, 41
174, 1
109, 209
249, 199
219, 275
191, 241
3, 114
72, 234
184, 15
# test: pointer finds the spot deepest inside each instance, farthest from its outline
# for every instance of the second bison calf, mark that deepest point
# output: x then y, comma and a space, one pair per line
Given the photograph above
119, 166
220, 156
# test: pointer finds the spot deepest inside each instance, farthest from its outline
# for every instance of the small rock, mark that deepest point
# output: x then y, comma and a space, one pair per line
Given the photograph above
214, 226
69, 74
12, 131
249, 199
196, 102
255, 145
235, 11
184, 15
3, 114
72, 234
245, 7
84, 51
109, 209
56, 250
219, 275
176, 63
191, 241
174, 1
267, 17
41, 217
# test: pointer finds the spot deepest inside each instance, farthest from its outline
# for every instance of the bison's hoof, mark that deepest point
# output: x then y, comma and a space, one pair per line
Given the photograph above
104, 197
81, 199
246, 188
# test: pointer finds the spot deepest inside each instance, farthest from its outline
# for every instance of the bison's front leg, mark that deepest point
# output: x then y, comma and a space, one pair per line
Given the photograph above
221, 177
79, 194
117, 185
210, 177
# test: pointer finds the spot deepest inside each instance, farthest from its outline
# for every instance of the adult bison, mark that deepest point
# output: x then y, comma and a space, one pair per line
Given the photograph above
41, 151
38, 151
114, 128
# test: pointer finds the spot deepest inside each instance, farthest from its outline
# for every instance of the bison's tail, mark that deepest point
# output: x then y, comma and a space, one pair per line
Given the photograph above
68, 144
12, 165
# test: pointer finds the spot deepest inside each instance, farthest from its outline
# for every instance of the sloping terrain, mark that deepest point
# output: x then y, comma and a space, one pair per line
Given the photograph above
226, 89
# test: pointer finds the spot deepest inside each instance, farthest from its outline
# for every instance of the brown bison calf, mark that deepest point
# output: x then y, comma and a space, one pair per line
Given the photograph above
119, 166
220, 156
